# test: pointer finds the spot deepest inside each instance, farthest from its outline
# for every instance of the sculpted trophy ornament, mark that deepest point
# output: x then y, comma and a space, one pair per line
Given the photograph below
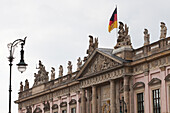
146, 37
79, 63
26, 87
21, 87
69, 67
52, 73
123, 37
60, 71
46, 106
42, 75
163, 30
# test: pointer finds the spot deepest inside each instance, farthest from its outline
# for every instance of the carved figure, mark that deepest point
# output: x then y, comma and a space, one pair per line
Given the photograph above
21, 87
146, 37
123, 38
42, 75
60, 71
106, 107
79, 63
52, 73
69, 67
29, 109
92, 46
46, 106
26, 84
163, 30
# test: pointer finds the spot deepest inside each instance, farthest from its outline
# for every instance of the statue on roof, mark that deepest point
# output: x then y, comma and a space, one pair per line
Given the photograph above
26, 87
41, 76
21, 87
123, 37
52, 73
163, 30
92, 45
79, 63
60, 71
146, 37
69, 67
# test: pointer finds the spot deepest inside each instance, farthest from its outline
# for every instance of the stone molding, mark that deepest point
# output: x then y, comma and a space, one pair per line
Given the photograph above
138, 85
63, 104
55, 106
72, 102
154, 81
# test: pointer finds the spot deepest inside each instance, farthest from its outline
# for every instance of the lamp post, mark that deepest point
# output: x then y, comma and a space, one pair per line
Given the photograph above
123, 106
21, 65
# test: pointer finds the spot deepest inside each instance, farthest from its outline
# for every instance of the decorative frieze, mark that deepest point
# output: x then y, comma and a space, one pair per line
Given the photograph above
101, 78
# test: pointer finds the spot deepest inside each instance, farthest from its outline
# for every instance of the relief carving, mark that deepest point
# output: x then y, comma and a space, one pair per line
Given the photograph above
29, 109
46, 106
100, 63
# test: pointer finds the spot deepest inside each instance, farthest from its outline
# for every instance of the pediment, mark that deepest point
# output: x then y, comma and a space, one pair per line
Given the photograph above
98, 62
167, 78
63, 104
55, 106
138, 85
154, 81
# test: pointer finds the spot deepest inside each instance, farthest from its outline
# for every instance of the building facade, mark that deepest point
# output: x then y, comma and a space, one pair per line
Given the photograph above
119, 80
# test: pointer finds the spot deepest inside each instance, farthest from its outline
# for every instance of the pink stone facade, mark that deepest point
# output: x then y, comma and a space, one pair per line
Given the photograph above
109, 80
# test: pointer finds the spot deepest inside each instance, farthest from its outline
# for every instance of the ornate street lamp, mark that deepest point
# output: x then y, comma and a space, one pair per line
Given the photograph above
21, 65
123, 106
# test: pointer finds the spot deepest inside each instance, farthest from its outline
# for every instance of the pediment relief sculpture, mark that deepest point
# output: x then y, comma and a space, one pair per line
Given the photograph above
41, 76
100, 63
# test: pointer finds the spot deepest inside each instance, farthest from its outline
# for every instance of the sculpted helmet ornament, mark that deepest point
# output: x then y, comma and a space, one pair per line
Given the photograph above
163, 30
123, 37
42, 75
146, 37
52, 73
60, 71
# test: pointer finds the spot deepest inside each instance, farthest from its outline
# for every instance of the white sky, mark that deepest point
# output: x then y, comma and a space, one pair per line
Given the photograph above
58, 30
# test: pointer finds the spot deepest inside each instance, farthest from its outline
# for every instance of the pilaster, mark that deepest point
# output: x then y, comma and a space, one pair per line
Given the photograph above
94, 99
113, 96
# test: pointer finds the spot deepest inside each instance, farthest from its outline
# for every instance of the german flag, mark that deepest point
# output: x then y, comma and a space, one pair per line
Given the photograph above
113, 21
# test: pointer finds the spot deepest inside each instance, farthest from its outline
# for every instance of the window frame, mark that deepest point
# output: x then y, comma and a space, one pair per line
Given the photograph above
137, 91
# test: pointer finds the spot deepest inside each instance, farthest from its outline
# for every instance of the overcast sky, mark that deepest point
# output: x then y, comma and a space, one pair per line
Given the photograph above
58, 31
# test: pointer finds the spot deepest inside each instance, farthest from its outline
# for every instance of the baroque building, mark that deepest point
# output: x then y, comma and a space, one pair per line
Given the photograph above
119, 80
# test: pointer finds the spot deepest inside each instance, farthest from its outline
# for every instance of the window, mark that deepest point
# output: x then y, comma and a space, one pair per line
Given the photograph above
64, 111
55, 112
156, 101
140, 103
73, 110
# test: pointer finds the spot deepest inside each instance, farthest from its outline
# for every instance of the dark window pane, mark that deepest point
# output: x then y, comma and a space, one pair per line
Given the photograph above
156, 101
140, 103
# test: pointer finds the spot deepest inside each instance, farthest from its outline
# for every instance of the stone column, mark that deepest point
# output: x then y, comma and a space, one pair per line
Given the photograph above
78, 104
126, 92
117, 96
94, 99
88, 101
68, 100
83, 101
113, 96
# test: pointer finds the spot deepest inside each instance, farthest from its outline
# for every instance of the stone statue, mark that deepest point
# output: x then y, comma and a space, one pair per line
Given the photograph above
123, 37
52, 73
163, 30
79, 64
42, 75
146, 37
60, 71
26, 87
29, 109
46, 106
21, 87
69, 67
92, 46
